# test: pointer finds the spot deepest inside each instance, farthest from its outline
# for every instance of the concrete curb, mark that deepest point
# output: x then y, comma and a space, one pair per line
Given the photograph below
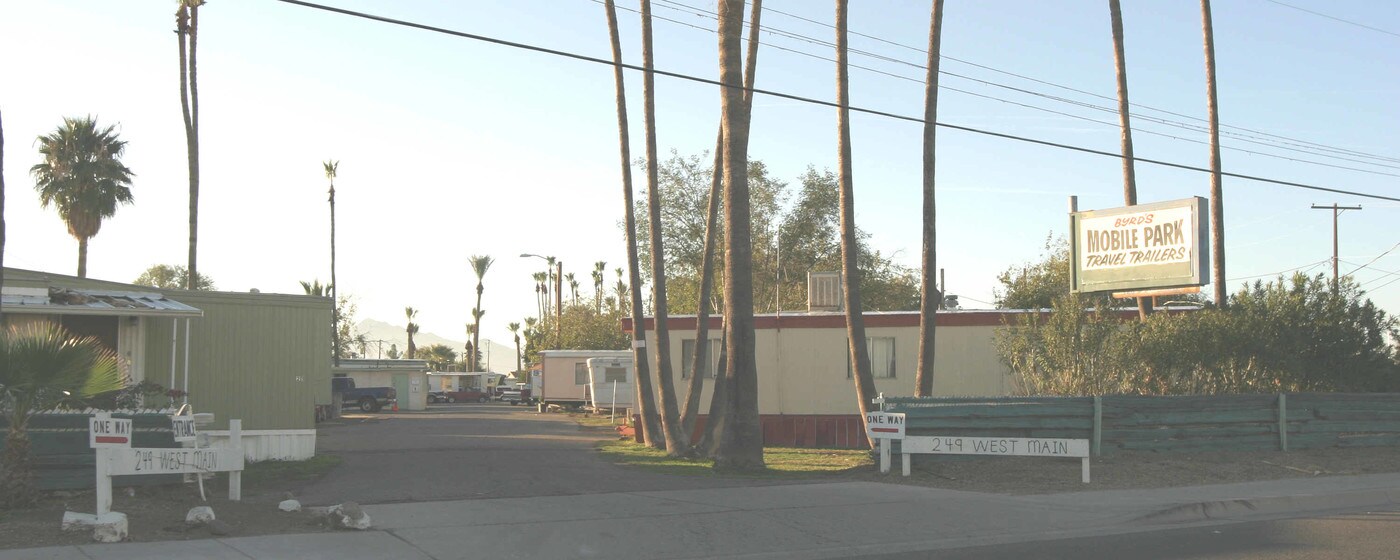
1217, 510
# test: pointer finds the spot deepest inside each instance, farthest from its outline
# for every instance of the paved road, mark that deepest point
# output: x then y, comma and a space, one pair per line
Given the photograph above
1363, 535
470, 451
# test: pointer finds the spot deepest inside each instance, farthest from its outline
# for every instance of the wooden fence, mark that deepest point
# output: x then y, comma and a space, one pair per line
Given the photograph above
1167, 423
62, 459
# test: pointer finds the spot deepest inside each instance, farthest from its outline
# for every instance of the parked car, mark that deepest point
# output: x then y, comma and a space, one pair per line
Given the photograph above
440, 397
517, 394
367, 399
468, 395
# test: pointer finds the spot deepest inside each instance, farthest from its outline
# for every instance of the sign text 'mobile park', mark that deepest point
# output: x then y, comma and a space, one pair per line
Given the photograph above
1148, 246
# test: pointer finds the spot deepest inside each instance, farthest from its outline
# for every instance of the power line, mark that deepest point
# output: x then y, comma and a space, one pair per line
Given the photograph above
1281, 139
814, 101
1308, 266
1290, 146
1334, 18
1373, 261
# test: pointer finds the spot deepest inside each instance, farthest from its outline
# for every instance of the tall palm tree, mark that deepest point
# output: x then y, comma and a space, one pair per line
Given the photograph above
719, 394
1217, 194
83, 177
850, 258
514, 329
331, 167
480, 264
646, 398
187, 32
469, 360
315, 288
412, 329
41, 366
573, 288
931, 297
540, 278
677, 442
1129, 176
741, 441
598, 275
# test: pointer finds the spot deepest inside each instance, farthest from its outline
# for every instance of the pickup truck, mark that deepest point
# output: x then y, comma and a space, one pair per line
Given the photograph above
368, 399
520, 393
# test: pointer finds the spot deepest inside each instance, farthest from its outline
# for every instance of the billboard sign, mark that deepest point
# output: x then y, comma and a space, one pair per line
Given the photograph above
1142, 247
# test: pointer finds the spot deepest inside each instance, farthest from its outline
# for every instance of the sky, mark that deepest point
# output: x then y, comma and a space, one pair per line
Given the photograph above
450, 147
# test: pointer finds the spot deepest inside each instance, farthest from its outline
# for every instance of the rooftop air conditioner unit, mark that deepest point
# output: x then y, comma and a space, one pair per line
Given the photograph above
824, 291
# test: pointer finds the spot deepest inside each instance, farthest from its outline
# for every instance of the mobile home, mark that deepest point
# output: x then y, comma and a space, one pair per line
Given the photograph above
564, 375
610, 382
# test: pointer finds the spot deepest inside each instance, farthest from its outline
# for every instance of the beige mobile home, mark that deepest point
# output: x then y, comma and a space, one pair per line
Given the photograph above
564, 375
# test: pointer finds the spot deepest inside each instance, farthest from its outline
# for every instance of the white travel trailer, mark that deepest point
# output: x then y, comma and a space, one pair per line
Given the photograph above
610, 382
564, 375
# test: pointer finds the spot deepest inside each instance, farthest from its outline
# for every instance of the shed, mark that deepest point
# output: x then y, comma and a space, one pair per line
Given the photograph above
409, 378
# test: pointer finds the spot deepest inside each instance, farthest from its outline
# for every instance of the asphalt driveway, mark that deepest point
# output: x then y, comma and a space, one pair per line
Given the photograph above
470, 451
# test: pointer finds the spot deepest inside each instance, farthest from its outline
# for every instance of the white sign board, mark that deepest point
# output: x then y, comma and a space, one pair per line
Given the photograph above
183, 428
1153, 237
885, 425
109, 432
161, 460
1031, 447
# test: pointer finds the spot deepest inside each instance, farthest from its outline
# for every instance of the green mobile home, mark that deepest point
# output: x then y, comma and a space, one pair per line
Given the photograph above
263, 358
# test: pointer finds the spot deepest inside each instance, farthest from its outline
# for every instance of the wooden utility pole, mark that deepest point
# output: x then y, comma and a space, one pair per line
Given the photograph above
1336, 211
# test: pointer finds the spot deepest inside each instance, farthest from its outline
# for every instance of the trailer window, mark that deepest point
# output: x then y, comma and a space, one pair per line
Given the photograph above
580, 373
614, 374
688, 358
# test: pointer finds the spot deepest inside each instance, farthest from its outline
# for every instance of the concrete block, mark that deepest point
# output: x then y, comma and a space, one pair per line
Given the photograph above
349, 515
289, 505
110, 528
74, 521
199, 515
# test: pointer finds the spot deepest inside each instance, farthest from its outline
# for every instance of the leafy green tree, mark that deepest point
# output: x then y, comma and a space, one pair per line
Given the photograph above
393, 352
167, 277
42, 367
438, 356
1035, 285
83, 177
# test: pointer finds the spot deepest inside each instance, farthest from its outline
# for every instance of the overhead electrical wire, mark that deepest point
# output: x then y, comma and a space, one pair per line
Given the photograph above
1281, 139
813, 101
1335, 18
710, 15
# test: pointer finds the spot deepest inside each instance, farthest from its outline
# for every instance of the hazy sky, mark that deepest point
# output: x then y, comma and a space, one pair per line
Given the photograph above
450, 147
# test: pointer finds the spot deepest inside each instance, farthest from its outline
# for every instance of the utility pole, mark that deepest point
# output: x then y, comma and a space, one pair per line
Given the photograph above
1336, 211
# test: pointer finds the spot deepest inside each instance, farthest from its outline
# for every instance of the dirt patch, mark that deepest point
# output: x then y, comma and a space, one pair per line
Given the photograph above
157, 513
1127, 470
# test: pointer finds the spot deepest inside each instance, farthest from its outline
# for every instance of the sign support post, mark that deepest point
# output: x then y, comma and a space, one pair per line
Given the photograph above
235, 477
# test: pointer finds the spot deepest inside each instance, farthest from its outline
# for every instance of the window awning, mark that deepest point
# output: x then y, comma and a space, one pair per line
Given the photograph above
65, 301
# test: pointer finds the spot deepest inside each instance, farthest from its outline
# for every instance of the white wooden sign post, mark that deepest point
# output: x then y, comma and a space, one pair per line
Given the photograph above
885, 426
115, 456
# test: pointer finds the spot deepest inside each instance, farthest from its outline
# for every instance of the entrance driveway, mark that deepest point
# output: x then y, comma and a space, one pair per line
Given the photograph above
471, 451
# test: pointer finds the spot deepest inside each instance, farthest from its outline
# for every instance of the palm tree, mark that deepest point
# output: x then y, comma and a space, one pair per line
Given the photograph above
187, 26
741, 441
931, 297
412, 329
573, 288
598, 268
1217, 195
646, 398
850, 258
719, 394
480, 264
331, 167
315, 288
1129, 176
438, 356
540, 278
83, 177
677, 442
514, 329
41, 367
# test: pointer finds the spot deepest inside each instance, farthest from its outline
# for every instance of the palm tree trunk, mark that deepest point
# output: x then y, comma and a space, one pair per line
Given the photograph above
192, 145
719, 402
712, 224
476, 333
1217, 195
82, 257
335, 301
677, 441
646, 399
855, 319
930, 296
741, 441
1129, 176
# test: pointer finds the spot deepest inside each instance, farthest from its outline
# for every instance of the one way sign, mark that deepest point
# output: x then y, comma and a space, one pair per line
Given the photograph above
885, 425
